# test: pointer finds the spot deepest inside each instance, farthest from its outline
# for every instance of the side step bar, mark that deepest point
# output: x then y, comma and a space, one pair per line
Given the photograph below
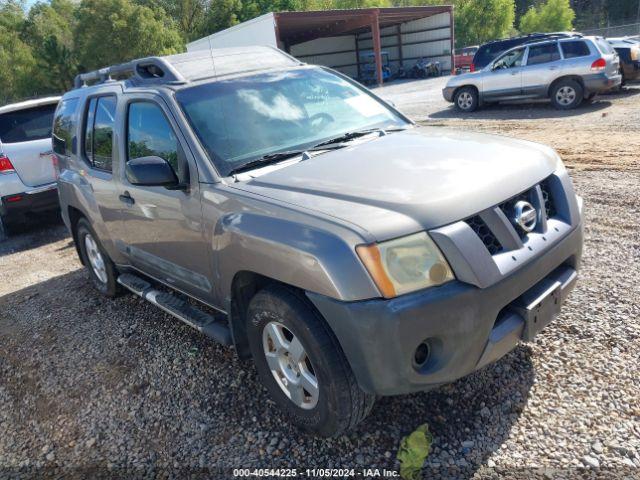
212, 326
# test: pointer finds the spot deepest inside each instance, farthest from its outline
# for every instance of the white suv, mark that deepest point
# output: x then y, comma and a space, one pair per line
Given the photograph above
27, 175
567, 71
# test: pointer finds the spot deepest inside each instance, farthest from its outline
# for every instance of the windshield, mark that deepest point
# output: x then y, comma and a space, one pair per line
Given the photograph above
243, 119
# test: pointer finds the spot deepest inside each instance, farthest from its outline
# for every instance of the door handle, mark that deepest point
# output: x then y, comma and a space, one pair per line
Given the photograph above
127, 198
47, 153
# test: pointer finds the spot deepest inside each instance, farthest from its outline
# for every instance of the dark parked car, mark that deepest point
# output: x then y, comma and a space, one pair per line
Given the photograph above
490, 50
629, 51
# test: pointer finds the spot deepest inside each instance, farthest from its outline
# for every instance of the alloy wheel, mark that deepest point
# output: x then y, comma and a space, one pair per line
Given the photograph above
566, 95
95, 258
290, 365
465, 100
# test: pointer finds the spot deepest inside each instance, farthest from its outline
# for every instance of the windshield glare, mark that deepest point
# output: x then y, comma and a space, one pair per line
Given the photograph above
243, 119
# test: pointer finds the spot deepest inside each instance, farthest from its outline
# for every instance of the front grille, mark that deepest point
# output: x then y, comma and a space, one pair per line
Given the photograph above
549, 204
489, 239
486, 235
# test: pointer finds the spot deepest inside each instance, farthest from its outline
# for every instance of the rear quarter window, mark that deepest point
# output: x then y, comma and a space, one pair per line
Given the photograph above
604, 46
64, 127
27, 124
574, 49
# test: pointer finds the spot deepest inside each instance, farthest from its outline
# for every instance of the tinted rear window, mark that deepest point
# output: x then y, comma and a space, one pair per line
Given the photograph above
26, 125
543, 54
574, 49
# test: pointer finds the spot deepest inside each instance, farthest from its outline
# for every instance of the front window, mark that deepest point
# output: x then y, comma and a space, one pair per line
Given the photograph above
243, 119
510, 59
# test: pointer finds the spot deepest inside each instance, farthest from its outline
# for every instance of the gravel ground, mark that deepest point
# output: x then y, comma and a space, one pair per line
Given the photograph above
119, 386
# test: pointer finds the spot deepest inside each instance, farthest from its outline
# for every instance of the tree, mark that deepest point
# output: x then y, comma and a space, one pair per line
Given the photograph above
49, 32
550, 16
16, 58
476, 22
114, 31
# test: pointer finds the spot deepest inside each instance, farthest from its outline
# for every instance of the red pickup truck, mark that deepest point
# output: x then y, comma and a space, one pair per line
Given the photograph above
464, 59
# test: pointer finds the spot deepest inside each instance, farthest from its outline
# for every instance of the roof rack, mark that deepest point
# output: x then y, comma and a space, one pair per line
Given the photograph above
191, 66
148, 69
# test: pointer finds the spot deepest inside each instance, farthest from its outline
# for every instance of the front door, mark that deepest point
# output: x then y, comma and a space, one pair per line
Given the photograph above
163, 227
504, 79
543, 66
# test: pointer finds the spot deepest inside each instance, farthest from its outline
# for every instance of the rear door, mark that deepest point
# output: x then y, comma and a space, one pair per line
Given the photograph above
544, 65
504, 78
25, 137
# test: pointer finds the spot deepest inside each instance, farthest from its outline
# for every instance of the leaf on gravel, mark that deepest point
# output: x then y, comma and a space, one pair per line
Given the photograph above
193, 351
413, 451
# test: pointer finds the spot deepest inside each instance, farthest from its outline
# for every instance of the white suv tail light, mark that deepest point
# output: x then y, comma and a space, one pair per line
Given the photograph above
599, 65
5, 165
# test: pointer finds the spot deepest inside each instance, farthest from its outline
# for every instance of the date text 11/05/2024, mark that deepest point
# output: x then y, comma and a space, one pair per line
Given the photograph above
316, 472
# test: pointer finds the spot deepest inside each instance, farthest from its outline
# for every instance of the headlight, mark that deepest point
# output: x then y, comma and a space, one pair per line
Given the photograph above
405, 264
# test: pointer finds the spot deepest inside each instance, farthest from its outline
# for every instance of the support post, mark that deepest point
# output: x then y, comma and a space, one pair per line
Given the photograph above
453, 45
358, 56
377, 48
400, 54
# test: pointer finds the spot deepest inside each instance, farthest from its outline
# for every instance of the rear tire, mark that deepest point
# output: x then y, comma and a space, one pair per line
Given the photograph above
466, 99
567, 94
7, 227
316, 389
102, 270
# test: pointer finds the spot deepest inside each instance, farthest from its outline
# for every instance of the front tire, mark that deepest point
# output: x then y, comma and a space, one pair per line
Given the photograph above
466, 99
567, 94
302, 365
102, 270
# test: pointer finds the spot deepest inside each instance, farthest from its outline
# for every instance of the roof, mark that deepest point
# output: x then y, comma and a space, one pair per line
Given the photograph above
37, 102
535, 37
192, 66
298, 27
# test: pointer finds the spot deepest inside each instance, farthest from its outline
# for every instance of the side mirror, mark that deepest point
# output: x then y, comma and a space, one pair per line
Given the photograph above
150, 172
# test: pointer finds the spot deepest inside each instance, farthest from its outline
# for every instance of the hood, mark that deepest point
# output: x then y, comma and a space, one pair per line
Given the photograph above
409, 181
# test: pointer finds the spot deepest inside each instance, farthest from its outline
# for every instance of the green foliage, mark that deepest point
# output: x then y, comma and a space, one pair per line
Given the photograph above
48, 30
477, 22
550, 16
413, 451
113, 31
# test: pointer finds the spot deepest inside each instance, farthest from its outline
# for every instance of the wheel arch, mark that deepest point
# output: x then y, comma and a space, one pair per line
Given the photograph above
75, 214
470, 85
576, 78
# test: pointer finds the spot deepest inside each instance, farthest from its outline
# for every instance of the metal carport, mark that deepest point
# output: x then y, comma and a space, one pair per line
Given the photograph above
337, 38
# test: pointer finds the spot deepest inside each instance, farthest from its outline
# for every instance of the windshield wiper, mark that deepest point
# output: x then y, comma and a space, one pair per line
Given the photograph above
266, 160
271, 158
345, 137
331, 144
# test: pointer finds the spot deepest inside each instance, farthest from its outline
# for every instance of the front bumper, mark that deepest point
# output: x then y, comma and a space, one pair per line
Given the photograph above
447, 93
38, 199
466, 327
601, 82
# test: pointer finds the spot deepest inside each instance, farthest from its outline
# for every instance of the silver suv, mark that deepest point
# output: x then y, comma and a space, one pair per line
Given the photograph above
286, 210
567, 71
27, 175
